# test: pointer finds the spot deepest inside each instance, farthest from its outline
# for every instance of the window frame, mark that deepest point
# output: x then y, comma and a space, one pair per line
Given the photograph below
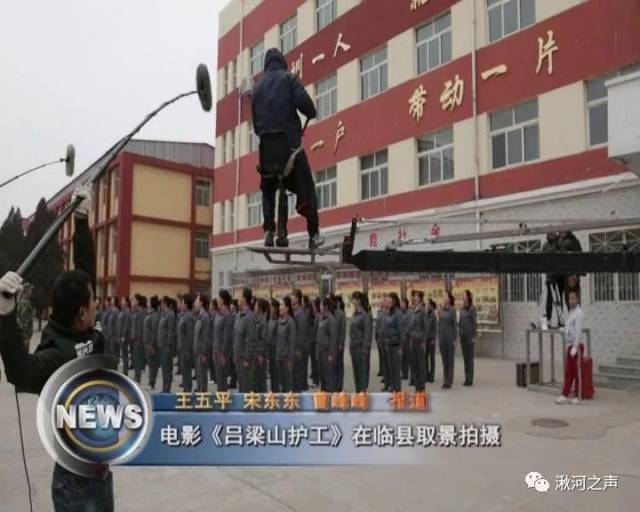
256, 61
506, 130
203, 191
288, 30
616, 288
377, 168
434, 36
199, 240
530, 287
254, 209
326, 186
330, 96
375, 68
331, 6
499, 4
440, 149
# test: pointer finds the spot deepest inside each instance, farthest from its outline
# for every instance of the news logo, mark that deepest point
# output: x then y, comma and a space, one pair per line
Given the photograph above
90, 415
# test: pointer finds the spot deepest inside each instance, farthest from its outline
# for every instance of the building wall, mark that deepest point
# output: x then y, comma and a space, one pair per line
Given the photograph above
594, 37
153, 221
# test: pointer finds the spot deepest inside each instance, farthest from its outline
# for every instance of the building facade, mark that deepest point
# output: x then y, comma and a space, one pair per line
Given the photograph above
152, 218
456, 108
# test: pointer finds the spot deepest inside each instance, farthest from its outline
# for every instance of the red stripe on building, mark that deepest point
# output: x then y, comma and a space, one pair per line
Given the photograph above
262, 18
610, 42
583, 166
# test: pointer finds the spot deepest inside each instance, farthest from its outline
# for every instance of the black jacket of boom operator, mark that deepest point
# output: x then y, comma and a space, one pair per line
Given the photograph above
58, 344
276, 99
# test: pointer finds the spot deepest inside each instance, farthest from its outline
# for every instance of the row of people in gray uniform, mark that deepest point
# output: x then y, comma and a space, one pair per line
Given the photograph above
251, 341
406, 338
141, 334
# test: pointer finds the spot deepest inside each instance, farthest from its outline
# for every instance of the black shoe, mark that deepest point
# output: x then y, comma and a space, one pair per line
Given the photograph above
467, 383
380, 374
282, 242
268, 238
405, 377
315, 241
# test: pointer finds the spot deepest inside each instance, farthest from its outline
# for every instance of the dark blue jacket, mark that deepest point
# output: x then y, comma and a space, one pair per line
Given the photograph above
276, 99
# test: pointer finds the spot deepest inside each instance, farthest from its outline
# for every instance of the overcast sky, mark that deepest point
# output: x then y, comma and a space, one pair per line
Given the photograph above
86, 72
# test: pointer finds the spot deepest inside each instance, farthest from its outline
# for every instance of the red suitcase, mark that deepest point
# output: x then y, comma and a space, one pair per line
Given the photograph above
587, 378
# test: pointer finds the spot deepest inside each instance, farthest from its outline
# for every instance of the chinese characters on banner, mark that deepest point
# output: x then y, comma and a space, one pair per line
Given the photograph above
486, 296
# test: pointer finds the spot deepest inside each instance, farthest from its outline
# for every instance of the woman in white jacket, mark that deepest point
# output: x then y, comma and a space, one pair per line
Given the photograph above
573, 330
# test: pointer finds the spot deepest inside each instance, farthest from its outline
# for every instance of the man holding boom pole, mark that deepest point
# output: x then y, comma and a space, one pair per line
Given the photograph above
69, 334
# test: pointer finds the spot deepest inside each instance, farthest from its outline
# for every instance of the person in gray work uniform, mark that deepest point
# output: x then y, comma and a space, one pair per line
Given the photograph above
259, 367
166, 342
447, 334
272, 340
150, 339
418, 331
213, 312
220, 341
201, 339
468, 331
123, 332
369, 341
185, 341
383, 370
303, 324
137, 334
359, 336
341, 318
113, 327
392, 338
244, 340
327, 345
404, 337
432, 334
314, 306
105, 324
286, 346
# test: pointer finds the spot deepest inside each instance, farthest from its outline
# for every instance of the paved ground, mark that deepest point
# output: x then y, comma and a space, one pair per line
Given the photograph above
603, 437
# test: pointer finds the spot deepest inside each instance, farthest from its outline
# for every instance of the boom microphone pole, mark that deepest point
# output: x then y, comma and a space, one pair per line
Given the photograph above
69, 159
203, 90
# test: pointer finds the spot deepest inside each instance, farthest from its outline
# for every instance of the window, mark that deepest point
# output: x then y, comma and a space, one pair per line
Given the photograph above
234, 73
225, 81
202, 244
435, 157
114, 240
221, 279
254, 209
609, 287
326, 187
223, 150
514, 135
254, 140
522, 287
103, 191
232, 215
231, 153
508, 16
114, 187
203, 193
373, 73
327, 96
597, 105
256, 58
434, 43
291, 205
326, 13
374, 175
289, 34
223, 217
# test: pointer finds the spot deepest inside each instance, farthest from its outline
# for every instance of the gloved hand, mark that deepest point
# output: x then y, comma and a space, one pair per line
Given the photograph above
574, 351
10, 292
83, 191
